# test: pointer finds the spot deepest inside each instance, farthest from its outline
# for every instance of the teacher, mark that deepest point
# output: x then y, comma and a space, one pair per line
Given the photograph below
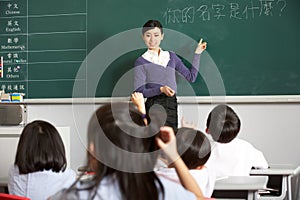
155, 72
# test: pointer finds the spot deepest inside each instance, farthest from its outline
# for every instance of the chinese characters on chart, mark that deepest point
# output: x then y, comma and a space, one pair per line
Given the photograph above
35, 40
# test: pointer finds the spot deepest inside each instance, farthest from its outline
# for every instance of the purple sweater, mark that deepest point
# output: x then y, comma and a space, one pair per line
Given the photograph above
149, 77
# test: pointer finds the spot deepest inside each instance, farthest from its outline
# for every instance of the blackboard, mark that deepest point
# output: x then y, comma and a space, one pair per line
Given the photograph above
87, 48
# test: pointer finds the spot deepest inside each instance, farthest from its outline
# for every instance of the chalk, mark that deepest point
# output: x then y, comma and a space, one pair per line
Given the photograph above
200, 41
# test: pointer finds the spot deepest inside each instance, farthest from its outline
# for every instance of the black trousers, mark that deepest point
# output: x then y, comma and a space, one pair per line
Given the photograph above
169, 104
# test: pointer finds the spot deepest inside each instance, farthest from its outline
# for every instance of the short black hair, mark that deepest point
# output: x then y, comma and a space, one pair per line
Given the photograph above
40, 148
151, 24
223, 124
193, 146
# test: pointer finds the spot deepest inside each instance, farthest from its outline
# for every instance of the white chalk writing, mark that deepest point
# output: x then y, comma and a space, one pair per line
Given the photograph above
219, 10
12, 9
13, 87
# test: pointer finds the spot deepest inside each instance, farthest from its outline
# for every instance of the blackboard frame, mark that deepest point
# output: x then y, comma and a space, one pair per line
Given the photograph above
277, 78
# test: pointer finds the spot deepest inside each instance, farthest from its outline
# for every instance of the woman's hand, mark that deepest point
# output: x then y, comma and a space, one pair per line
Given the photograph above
167, 91
201, 47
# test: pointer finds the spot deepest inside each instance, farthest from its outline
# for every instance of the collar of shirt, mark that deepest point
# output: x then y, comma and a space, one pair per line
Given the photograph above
161, 59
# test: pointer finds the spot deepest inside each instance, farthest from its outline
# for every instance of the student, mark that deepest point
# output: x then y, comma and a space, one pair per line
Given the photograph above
40, 168
195, 149
230, 155
123, 158
155, 72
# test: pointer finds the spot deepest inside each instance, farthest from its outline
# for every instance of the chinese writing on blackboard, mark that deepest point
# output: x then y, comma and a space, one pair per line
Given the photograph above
220, 10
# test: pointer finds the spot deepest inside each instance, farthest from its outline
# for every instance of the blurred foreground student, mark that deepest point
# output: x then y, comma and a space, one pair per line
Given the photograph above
123, 154
230, 155
137, 99
40, 168
194, 148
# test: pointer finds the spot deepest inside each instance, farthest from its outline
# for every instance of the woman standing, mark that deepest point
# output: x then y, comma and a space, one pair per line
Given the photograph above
155, 72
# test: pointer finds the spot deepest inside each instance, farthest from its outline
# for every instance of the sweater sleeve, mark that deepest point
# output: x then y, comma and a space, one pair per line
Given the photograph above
189, 74
140, 82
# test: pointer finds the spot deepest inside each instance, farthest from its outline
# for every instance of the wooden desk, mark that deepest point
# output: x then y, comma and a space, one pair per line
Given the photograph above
286, 172
240, 187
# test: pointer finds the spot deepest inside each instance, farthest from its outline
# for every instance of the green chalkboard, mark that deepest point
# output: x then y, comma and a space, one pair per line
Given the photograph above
43, 44
87, 48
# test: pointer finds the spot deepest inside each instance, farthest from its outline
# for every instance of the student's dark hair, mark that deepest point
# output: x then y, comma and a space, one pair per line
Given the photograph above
193, 146
151, 24
223, 124
119, 126
40, 148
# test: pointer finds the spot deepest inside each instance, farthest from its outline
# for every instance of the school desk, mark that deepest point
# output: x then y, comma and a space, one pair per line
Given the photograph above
285, 172
3, 184
245, 187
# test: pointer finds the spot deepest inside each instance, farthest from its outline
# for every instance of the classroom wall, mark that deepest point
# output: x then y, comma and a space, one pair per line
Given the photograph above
272, 128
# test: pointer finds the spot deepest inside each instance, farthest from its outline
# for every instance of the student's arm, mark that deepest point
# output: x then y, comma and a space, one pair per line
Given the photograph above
167, 142
259, 160
187, 124
138, 99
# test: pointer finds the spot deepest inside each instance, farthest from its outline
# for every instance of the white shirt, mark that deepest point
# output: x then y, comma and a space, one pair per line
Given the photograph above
162, 59
235, 158
39, 185
109, 190
204, 177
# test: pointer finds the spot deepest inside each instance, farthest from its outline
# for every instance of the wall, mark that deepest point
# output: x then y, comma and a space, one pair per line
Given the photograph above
271, 127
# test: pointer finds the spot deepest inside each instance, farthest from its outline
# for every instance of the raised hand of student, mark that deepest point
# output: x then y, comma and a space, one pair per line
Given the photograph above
167, 91
138, 99
187, 124
200, 47
166, 140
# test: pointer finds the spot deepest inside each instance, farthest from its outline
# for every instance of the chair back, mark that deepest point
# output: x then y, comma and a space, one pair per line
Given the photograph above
4, 196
